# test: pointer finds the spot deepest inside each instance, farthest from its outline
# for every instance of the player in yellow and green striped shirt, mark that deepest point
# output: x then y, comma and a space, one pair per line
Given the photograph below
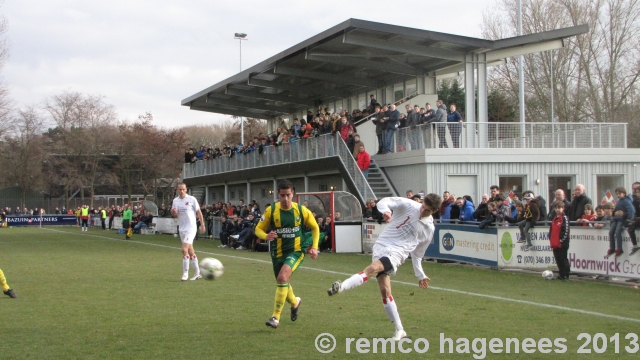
284, 221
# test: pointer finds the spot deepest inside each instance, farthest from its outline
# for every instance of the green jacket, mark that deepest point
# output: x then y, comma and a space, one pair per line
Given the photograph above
127, 215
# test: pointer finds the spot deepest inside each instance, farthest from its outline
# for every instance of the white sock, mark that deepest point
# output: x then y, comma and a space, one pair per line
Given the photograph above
392, 312
355, 280
194, 263
185, 263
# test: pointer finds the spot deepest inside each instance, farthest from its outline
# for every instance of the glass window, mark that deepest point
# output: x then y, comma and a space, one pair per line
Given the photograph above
559, 183
232, 194
362, 101
606, 185
339, 107
411, 87
513, 184
398, 91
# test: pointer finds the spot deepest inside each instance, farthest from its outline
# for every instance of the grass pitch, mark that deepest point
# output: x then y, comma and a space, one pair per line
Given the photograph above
93, 295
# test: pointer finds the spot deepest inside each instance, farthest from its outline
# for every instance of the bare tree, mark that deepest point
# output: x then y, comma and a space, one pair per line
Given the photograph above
7, 120
23, 153
595, 76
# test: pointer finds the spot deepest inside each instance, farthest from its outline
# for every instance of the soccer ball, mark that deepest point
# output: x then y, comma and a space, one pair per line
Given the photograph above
547, 274
211, 268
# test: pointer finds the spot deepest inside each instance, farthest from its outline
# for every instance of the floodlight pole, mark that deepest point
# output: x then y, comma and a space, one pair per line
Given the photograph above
240, 37
521, 76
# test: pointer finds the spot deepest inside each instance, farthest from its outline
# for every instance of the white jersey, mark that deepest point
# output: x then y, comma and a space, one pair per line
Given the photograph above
406, 233
187, 210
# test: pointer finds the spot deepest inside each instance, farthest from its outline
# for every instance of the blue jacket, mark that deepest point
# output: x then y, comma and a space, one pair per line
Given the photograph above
466, 212
454, 117
625, 205
394, 120
447, 214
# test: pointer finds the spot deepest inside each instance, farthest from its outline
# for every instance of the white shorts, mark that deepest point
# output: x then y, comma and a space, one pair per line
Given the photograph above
396, 256
187, 237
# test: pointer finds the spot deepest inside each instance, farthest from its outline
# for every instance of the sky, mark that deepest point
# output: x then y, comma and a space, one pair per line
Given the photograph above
146, 56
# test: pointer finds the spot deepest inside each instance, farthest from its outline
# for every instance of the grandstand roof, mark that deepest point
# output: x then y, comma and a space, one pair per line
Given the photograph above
356, 56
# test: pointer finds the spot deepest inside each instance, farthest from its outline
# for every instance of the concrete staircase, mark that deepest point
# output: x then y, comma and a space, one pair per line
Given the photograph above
379, 182
198, 192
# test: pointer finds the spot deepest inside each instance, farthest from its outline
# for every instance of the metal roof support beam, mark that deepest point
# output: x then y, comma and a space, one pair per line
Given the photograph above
470, 96
462, 67
524, 50
403, 48
339, 79
249, 105
483, 107
367, 64
243, 113
272, 97
298, 88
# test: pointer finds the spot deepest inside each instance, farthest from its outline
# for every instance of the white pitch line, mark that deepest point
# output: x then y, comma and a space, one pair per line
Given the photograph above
493, 297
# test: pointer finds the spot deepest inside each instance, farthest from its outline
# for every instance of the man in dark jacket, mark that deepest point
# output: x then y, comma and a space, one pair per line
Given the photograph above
439, 119
390, 129
559, 196
228, 228
413, 121
378, 120
580, 199
531, 216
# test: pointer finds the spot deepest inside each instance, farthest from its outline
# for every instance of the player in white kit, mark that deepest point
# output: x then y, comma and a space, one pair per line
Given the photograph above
409, 231
186, 208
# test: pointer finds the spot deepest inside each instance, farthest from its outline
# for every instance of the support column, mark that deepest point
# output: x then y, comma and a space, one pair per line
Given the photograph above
226, 193
206, 194
306, 183
483, 107
275, 189
249, 196
430, 84
470, 100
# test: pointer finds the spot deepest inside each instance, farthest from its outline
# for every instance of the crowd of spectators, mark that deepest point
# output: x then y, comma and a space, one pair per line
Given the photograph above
238, 222
498, 209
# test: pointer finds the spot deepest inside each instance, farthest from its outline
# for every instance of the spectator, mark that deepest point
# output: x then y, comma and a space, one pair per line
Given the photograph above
379, 122
439, 119
490, 219
520, 209
413, 120
356, 145
364, 161
338, 216
559, 235
601, 217
145, 221
559, 196
466, 209
588, 217
390, 129
455, 210
482, 211
531, 216
373, 103
409, 194
454, 120
580, 199
228, 229
635, 221
327, 229
445, 207
344, 128
372, 212
623, 212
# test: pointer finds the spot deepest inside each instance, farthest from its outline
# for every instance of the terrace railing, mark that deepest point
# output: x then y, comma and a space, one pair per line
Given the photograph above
323, 146
508, 135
